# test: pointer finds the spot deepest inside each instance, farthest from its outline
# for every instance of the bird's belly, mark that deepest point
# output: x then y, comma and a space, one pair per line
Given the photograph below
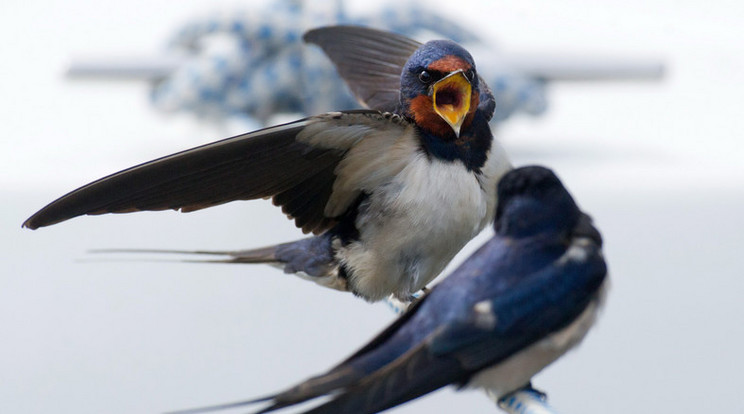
517, 370
413, 227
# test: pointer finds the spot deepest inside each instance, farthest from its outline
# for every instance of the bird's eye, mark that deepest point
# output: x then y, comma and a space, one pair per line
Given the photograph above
425, 76
470, 74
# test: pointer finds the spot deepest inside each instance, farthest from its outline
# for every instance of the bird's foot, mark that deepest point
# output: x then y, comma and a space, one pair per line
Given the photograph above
523, 400
397, 305
400, 305
532, 390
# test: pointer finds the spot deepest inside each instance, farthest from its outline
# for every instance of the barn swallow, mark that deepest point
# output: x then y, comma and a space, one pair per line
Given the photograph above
391, 193
517, 304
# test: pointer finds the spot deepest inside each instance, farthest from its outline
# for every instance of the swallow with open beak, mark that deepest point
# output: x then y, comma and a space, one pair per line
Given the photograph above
391, 193
517, 304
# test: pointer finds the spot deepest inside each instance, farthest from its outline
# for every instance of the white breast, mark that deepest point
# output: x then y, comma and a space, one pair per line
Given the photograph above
422, 218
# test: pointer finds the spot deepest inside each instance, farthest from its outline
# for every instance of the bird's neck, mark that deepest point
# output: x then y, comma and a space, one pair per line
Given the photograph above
471, 147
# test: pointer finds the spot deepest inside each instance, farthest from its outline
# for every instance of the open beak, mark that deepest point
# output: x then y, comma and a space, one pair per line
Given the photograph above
451, 96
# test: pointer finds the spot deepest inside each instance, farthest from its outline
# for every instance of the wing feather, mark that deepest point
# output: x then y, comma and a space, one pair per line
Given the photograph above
369, 60
414, 374
297, 164
306, 201
545, 302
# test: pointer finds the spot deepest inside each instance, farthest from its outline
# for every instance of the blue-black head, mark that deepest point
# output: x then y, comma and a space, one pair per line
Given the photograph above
439, 87
532, 200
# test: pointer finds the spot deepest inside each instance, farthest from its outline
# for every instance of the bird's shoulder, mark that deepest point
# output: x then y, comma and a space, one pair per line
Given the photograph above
376, 147
343, 129
517, 294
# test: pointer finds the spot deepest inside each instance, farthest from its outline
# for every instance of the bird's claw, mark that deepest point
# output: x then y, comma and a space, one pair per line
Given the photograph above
532, 390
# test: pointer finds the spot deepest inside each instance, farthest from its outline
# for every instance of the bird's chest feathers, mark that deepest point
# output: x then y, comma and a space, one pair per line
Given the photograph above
412, 226
441, 195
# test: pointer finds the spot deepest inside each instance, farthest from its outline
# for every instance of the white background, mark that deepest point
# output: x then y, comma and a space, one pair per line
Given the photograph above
657, 164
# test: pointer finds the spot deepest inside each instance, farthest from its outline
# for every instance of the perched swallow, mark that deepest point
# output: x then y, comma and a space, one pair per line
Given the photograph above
391, 193
517, 304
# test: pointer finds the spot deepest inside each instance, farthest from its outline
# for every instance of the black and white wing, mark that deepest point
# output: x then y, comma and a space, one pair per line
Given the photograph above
314, 168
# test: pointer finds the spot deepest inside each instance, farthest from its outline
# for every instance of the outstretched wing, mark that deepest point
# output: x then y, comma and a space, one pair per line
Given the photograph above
314, 168
369, 60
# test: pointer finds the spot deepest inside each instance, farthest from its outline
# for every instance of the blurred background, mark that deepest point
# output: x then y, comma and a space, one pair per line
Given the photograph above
657, 162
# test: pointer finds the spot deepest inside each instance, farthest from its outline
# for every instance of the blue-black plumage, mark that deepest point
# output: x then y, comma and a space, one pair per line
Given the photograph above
518, 303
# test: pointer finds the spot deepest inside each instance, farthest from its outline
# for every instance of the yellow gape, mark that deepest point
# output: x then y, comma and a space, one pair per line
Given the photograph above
451, 97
